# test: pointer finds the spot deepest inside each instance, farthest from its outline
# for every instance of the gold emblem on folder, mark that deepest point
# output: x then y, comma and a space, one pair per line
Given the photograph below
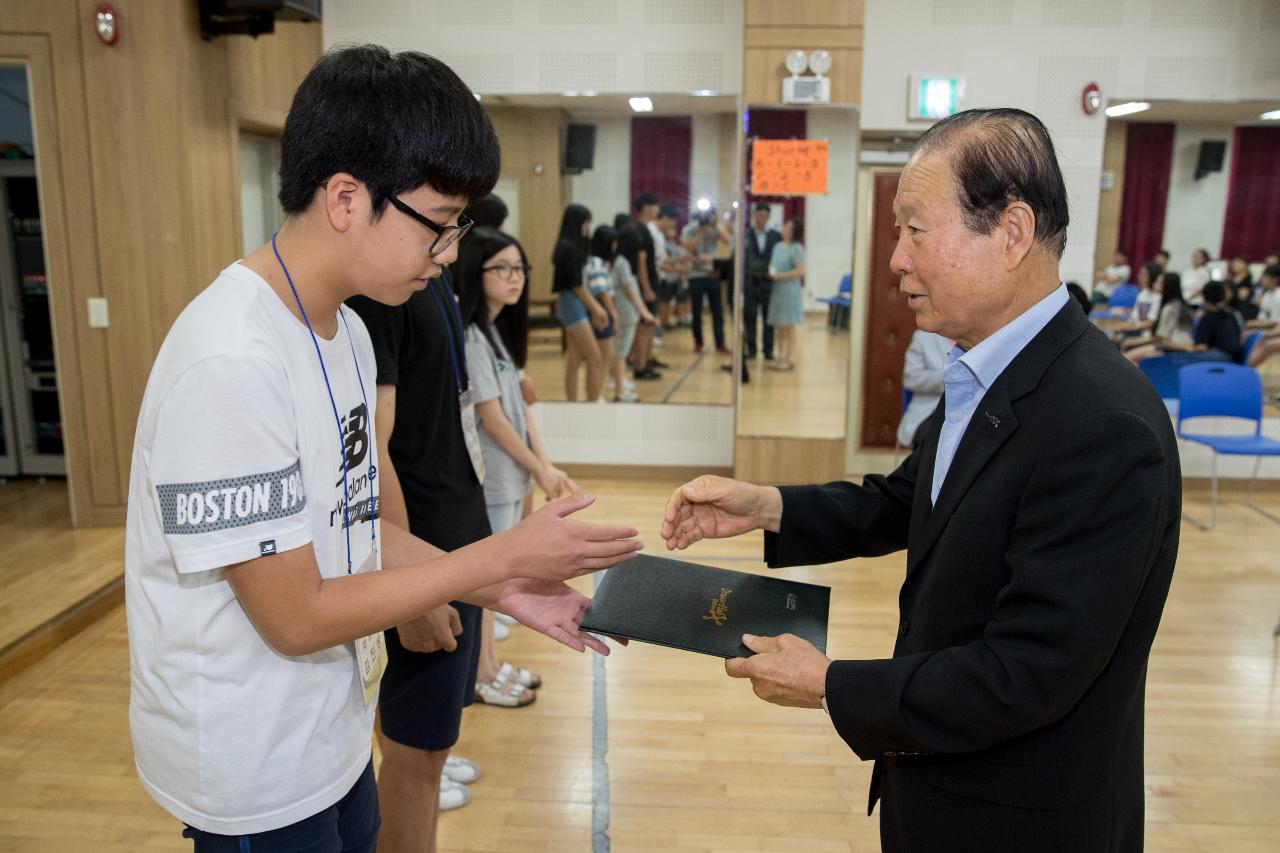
719, 612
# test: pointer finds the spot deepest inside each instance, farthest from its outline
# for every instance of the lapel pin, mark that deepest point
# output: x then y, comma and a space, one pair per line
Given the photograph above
995, 422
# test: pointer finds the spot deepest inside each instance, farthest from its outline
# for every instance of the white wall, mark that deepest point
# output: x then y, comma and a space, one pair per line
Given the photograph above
606, 187
544, 46
828, 226
1197, 209
1039, 55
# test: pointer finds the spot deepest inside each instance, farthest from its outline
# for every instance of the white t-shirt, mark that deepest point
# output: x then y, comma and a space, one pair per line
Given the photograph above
1146, 306
237, 456
1269, 305
1193, 281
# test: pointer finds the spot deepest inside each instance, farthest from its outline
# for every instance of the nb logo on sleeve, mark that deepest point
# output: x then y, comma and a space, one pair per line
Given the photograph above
236, 502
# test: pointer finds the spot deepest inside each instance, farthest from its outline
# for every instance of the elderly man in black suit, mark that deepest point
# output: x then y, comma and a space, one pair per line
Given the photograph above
1040, 517
758, 247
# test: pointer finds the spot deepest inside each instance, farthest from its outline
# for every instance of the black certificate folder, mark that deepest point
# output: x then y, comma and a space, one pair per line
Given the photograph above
703, 609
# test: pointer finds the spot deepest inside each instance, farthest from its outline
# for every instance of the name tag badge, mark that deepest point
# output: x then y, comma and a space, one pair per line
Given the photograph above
371, 651
471, 433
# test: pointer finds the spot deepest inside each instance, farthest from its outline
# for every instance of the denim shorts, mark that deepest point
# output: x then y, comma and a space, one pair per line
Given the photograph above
569, 309
347, 826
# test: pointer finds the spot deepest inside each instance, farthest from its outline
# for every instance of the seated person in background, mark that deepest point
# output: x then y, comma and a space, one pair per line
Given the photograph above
1268, 317
1219, 333
922, 376
1162, 259
1172, 325
1195, 278
488, 211
1147, 304
1109, 277
1078, 294
1240, 281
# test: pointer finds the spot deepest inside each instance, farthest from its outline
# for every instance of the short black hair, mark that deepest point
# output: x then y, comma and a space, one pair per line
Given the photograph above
488, 211
1272, 272
604, 243
1164, 252
512, 323
397, 122
668, 211
1153, 271
620, 220
763, 205
1000, 156
1214, 293
644, 200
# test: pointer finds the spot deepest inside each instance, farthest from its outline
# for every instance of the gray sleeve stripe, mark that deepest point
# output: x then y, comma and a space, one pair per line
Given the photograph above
235, 502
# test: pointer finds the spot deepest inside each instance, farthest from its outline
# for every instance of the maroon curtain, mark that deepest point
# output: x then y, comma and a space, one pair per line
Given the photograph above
1252, 224
776, 124
1148, 160
661, 148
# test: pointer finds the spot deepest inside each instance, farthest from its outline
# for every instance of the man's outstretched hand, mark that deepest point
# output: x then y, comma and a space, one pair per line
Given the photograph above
716, 508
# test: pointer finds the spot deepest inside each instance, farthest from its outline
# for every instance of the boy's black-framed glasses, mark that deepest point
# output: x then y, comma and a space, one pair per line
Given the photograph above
446, 235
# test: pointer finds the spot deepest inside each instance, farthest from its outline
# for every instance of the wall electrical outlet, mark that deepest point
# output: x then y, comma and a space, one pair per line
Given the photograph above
98, 313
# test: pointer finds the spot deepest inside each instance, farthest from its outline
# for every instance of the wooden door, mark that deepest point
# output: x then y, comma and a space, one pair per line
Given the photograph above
889, 325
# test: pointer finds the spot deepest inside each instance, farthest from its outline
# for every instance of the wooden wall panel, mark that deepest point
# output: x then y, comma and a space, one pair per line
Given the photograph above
773, 461
530, 138
1113, 156
814, 13
264, 72
890, 324
776, 27
136, 157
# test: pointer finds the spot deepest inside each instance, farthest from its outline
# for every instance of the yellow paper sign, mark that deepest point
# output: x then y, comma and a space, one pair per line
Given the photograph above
789, 167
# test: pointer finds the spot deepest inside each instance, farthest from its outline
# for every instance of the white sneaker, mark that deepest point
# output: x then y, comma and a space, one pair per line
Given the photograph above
657, 342
464, 771
500, 631
453, 795
629, 396
628, 387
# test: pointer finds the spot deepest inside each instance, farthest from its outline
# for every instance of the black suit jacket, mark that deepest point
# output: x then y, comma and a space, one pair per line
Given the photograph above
758, 264
1011, 714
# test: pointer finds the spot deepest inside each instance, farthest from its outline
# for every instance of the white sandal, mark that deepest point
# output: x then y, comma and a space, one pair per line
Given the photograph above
522, 676
503, 693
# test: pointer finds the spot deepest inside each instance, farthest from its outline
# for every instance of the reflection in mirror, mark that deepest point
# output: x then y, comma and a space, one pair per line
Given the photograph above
796, 277
627, 303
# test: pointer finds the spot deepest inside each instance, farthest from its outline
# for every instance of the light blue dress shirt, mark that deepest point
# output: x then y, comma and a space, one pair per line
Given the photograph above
968, 375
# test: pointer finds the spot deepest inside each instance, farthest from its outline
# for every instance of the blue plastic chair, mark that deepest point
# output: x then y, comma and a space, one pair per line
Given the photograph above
1119, 303
1162, 370
1250, 343
1220, 390
838, 306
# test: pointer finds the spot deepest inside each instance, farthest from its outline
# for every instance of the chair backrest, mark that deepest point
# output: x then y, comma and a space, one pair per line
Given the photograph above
1162, 370
1222, 390
1249, 343
1124, 296
846, 285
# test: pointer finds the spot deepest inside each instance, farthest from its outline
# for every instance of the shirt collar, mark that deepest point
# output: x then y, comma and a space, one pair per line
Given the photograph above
988, 359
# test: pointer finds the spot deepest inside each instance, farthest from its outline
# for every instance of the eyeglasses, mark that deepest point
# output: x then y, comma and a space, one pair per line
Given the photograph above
507, 272
446, 235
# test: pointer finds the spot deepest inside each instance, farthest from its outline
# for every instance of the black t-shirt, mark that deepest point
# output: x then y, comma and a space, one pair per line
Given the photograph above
651, 260
411, 345
566, 267
1220, 330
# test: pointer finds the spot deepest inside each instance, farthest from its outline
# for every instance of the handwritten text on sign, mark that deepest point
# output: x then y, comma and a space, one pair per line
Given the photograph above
789, 166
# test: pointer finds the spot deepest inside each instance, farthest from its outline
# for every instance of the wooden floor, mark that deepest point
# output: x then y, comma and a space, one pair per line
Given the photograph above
691, 378
696, 763
48, 567
809, 402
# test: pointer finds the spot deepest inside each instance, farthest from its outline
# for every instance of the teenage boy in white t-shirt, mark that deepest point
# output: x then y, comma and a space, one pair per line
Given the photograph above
256, 569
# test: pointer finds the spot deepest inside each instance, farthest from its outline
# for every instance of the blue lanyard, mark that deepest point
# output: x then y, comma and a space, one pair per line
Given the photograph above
342, 444
458, 377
